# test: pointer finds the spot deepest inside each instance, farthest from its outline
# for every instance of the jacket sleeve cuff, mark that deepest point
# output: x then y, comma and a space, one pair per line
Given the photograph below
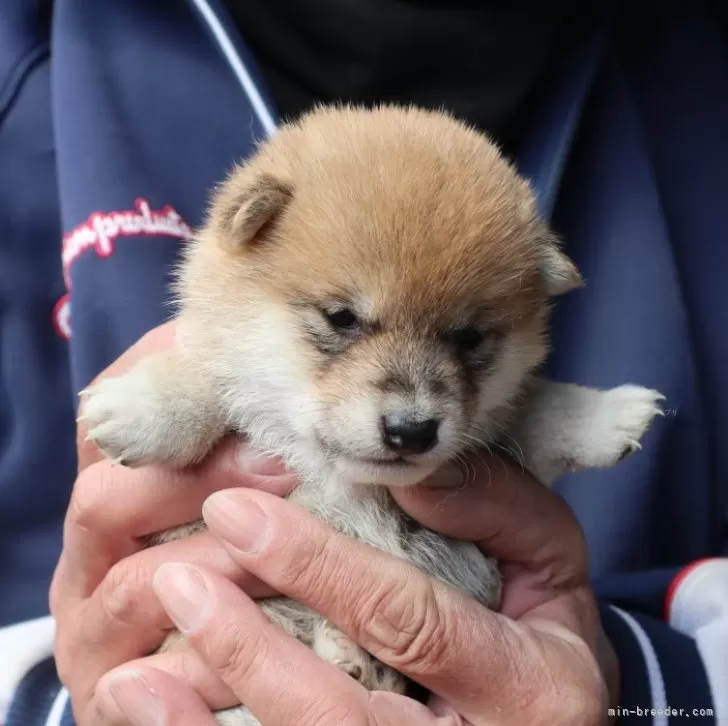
676, 671
30, 691
40, 699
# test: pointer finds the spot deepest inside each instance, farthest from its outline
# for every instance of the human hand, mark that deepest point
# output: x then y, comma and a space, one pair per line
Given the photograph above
101, 596
537, 663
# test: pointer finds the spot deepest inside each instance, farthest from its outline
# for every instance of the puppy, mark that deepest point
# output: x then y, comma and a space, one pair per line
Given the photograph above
369, 298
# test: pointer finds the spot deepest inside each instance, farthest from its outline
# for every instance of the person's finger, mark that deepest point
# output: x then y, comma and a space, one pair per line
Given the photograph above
278, 678
195, 674
512, 517
123, 619
421, 627
157, 339
185, 666
145, 696
114, 509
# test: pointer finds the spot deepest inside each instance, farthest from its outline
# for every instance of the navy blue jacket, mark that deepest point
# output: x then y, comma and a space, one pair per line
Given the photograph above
116, 118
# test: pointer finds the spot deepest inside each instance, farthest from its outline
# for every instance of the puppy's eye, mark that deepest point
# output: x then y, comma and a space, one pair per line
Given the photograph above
467, 339
343, 319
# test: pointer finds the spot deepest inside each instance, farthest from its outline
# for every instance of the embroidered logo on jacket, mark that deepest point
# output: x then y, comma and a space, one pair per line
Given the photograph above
100, 233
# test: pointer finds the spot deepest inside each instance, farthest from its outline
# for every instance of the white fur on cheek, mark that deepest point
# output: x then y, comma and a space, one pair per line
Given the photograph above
519, 354
264, 379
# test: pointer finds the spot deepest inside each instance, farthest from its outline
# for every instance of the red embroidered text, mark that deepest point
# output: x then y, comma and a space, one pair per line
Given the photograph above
101, 230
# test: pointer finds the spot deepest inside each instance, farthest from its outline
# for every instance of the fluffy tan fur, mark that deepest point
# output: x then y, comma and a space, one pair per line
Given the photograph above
410, 210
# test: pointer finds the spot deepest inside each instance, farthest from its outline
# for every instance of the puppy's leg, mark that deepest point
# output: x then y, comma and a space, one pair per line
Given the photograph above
566, 427
161, 410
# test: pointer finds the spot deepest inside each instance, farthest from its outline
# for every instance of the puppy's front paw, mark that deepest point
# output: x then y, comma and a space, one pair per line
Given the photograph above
622, 418
124, 419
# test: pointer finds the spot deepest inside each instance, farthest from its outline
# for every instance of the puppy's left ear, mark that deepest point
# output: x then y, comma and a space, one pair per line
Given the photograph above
247, 203
558, 272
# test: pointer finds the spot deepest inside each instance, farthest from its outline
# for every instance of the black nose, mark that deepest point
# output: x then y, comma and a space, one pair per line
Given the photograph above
409, 435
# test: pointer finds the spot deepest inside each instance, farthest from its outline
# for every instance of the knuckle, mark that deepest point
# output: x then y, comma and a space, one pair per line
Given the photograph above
121, 593
404, 626
311, 571
330, 712
90, 496
185, 666
236, 658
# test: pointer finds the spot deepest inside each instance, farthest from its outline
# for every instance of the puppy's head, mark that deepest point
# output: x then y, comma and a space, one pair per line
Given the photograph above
385, 276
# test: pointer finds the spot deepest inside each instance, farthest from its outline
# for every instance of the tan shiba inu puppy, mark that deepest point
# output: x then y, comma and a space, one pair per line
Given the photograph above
369, 298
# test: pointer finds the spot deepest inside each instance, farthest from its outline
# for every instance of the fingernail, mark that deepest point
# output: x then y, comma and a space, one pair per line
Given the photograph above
253, 462
243, 524
183, 593
136, 699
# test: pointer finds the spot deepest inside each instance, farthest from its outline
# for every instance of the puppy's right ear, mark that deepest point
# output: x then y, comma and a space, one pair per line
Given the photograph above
249, 203
559, 274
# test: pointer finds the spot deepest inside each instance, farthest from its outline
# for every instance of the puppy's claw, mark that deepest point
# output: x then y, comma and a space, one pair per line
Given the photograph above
630, 449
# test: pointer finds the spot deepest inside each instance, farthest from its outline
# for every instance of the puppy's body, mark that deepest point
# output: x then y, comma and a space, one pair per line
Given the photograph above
369, 299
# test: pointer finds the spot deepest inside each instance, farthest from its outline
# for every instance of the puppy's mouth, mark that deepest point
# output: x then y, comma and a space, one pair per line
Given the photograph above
394, 462
385, 465
339, 451
385, 470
